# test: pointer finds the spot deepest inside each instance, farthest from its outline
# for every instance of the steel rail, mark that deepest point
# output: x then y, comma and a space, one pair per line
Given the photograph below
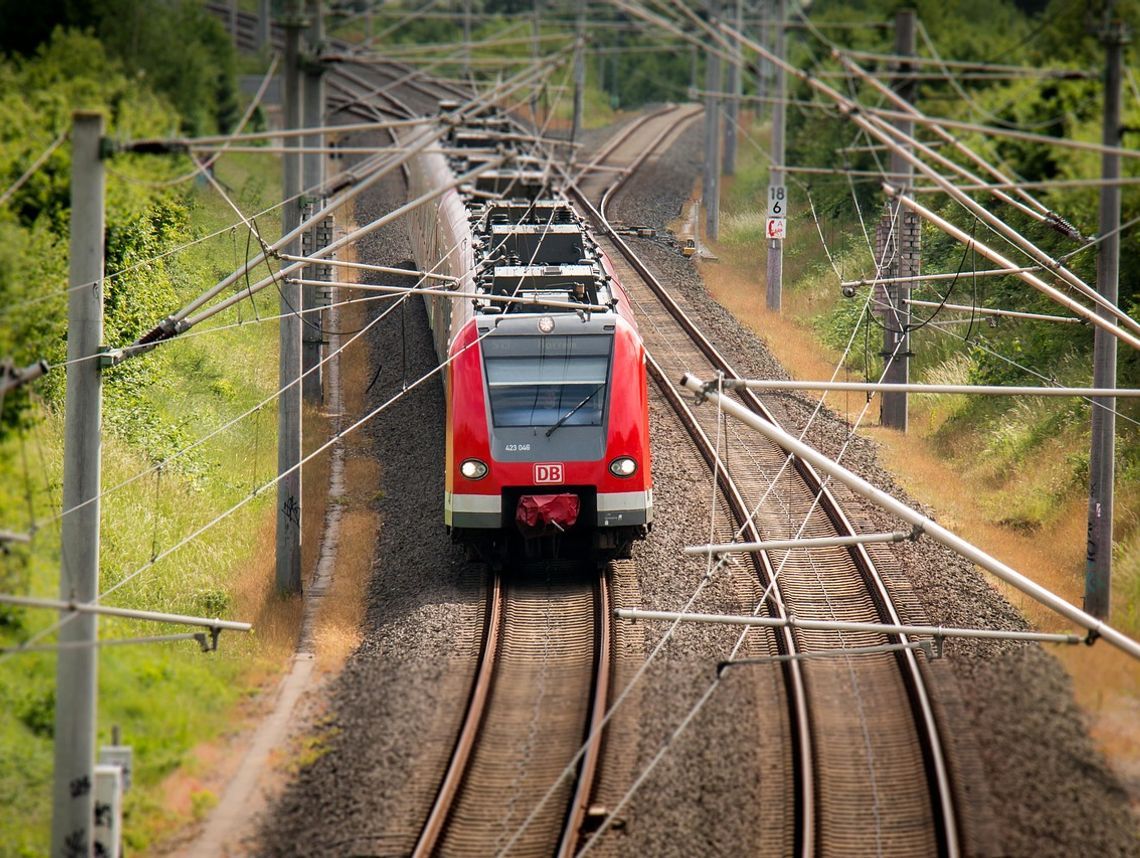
798, 710
588, 767
452, 785
472, 720
610, 145
686, 115
933, 752
486, 676
799, 714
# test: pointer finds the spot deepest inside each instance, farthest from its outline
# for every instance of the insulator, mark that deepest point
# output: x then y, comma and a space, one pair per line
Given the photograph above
1063, 226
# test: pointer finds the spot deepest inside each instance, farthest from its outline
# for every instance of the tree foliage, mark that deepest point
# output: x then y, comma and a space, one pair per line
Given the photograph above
37, 96
1058, 35
177, 48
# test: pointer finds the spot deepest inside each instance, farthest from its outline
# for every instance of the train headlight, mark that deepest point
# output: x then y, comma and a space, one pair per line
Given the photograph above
546, 324
473, 469
623, 466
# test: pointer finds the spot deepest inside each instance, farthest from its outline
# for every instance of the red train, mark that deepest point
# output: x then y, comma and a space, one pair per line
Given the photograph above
547, 404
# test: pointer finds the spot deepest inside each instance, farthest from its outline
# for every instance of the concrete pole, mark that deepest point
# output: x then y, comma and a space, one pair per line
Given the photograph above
775, 288
233, 18
313, 176
467, 39
76, 676
710, 186
896, 320
534, 58
735, 90
1098, 561
579, 71
765, 68
289, 404
264, 24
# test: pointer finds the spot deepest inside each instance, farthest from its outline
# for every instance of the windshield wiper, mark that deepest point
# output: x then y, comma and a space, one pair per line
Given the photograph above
574, 410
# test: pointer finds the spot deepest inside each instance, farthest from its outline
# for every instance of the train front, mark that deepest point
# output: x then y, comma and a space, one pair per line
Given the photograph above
548, 438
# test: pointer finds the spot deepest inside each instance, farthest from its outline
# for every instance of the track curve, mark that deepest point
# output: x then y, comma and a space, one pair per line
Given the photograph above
899, 780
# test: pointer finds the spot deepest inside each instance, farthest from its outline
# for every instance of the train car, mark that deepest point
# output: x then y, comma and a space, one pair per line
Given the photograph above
547, 401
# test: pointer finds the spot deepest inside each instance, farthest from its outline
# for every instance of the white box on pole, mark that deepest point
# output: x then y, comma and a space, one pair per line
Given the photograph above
121, 756
108, 810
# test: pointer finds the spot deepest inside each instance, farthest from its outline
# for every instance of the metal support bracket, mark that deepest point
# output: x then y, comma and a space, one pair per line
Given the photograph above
109, 357
925, 646
210, 645
939, 641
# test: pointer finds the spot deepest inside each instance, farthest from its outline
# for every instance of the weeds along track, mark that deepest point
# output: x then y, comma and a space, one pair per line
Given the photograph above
867, 769
540, 687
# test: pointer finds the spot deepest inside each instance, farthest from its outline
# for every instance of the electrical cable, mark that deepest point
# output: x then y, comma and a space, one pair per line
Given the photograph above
160, 555
870, 120
198, 532
36, 164
975, 106
201, 167
134, 266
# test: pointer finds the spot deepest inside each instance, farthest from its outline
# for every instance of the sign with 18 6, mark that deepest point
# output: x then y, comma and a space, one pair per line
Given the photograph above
777, 201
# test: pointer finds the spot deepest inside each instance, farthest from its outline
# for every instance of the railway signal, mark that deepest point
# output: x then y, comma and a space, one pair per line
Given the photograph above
776, 227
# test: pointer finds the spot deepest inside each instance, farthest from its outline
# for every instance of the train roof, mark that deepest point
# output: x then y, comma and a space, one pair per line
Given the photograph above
569, 283
528, 240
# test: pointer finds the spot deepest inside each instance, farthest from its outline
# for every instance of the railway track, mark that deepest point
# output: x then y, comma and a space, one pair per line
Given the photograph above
865, 762
869, 772
541, 686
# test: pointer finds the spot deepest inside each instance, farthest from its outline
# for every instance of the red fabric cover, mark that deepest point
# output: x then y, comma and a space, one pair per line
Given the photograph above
537, 511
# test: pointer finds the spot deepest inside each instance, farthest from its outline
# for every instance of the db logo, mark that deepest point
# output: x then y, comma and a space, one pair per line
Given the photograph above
548, 472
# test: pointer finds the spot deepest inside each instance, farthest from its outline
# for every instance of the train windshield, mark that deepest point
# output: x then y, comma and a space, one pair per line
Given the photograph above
541, 380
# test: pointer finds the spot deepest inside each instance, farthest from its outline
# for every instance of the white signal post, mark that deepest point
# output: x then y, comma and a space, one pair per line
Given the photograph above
776, 227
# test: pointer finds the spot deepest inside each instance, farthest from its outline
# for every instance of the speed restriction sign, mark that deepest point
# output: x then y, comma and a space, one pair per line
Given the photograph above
777, 228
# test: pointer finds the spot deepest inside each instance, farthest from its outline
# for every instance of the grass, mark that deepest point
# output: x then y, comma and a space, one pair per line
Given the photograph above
166, 698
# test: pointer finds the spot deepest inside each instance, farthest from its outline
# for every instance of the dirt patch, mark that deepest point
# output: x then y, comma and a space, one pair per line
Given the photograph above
189, 793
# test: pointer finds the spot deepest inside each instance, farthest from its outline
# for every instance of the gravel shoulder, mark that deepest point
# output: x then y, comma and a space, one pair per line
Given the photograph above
1030, 780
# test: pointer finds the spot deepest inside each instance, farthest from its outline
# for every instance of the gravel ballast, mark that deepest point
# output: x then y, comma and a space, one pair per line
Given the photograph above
1036, 784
